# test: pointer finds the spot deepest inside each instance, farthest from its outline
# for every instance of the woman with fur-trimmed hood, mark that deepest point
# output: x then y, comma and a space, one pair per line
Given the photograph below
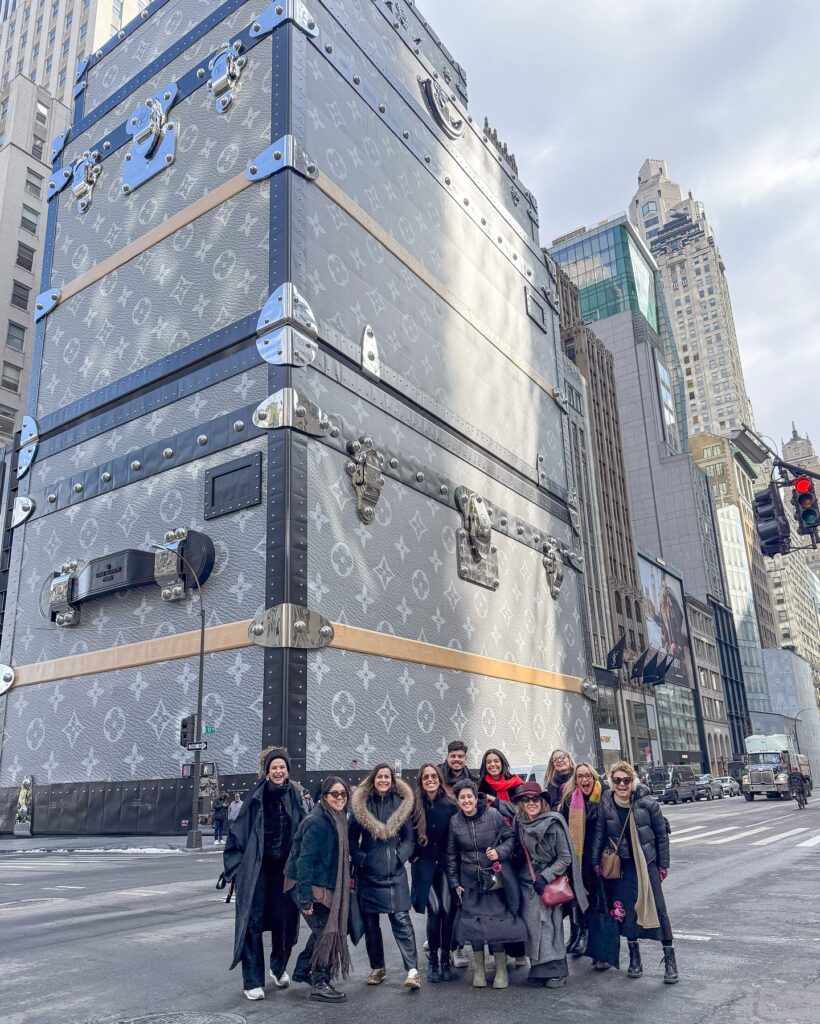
255, 855
381, 843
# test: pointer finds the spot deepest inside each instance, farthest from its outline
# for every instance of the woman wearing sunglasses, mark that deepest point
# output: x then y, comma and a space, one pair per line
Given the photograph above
318, 875
631, 825
432, 809
579, 806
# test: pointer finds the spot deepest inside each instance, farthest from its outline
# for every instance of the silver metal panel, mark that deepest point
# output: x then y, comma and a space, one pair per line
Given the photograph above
133, 517
365, 710
351, 280
206, 276
125, 725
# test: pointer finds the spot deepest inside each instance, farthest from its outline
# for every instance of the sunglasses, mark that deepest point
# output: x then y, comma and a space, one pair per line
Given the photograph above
428, 776
622, 780
530, 799
583, 777
337, 794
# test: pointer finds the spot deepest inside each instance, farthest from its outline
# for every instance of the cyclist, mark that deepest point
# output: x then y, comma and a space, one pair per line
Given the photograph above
797, 786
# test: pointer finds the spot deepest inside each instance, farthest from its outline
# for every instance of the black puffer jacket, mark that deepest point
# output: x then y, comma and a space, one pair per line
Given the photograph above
314, 855
432, 856
649, 819
468, 840
381, 843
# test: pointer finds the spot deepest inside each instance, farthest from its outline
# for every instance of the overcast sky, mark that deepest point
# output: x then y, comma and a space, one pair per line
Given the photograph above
583, 91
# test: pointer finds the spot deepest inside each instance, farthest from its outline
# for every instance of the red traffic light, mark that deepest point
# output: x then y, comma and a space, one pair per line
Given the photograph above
802, 484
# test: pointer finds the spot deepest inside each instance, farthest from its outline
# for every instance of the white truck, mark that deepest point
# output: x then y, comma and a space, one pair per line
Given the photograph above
767, 764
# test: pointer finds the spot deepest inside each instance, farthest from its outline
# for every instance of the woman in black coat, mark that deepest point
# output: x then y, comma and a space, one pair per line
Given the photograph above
479, 847
318, 878
255, 855
431, 895
559, 772
631, 823
381, 843
580, 805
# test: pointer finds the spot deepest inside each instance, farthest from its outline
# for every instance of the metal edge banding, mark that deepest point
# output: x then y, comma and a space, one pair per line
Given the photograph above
234, 636
332, 191
183, 361
40, 326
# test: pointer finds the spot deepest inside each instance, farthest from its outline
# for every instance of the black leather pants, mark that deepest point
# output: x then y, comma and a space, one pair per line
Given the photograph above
402, 932
441, 912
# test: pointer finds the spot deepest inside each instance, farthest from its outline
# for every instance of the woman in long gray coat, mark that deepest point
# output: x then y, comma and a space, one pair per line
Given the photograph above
545, 837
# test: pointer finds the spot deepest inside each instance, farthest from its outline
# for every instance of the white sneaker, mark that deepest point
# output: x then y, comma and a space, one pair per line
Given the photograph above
282, 981
413, 980
521, 961
254, 993
460, 959
426, 946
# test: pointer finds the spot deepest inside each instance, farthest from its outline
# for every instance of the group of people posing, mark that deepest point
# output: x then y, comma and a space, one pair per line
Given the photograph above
496, 865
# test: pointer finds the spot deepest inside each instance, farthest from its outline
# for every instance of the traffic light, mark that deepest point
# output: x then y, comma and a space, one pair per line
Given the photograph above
804, 500
187, 730
772, 525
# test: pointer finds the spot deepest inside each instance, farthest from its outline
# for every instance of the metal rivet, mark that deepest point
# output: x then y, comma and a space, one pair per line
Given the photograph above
166, 594
420, 476
493, 549
238, 425
277, 154
200, 72
520, 530
202, 439
328, 48
326, 632
106, 145
463, 571
466, 202
252, 170
382, 108
443, 489
136, 464
262, 414
51, 498
257, 629
394, 463
427, 158
357, 80
106, 477
311, 168
299, 626
446, 181
484, 221
405, 134
78, 488
495, 584
168, 453
503, 520
279, 9
334, 431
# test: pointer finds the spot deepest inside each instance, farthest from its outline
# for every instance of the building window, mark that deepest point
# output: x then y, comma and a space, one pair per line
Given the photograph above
20, 295
16, 336
650, 207
38, 146
25, 256
34, 183
12, 377
41, 117
30, 219
6, 419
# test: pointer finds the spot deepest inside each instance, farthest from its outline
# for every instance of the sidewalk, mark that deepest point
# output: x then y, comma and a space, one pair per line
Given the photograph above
104, 844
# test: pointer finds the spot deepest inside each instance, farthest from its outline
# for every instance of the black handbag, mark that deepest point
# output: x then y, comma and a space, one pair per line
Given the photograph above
603, 932
355, 921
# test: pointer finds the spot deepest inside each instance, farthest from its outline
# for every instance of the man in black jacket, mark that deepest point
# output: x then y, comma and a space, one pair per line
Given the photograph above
454, 769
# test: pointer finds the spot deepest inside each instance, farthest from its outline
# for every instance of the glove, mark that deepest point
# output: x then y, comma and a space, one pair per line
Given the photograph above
663, 872
539, 885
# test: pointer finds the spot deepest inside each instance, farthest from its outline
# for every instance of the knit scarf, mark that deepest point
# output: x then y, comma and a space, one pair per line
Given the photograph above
501, 787
578, 815
332, 950
645, 909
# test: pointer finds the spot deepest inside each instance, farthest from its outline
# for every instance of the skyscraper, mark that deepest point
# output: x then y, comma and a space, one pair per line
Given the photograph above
681, 240
41, 43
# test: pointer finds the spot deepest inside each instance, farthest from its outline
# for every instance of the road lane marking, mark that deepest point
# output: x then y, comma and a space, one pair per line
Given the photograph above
691, 828
739, 835
703, 835
777, 838
141, 892
693, 938
54, 888
811, 842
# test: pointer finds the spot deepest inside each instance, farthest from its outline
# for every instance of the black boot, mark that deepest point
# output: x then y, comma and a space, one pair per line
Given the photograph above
433, 975
581, 944
574, 933
324, 992
446, 967
670, 965
635, 969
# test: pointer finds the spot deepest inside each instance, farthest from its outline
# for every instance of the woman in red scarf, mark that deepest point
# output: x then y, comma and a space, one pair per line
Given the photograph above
498, 783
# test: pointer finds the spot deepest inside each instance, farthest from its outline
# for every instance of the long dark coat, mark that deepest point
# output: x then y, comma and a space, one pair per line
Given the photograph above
314, 856
432, 856
242, 858
381, 843
591, 810
649, 819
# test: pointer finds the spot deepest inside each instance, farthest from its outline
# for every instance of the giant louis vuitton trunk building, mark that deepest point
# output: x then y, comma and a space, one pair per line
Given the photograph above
297, 355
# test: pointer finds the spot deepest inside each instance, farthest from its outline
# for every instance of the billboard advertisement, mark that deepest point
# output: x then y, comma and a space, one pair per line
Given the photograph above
666, 628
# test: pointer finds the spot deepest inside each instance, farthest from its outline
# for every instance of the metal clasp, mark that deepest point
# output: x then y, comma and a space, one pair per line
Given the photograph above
86, 172
365, 472
477, 555
154, 138
167, 565
226, 67
61, 608
554, 566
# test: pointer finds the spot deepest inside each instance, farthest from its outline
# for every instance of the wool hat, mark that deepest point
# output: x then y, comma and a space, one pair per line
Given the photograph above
272, 755
529, 789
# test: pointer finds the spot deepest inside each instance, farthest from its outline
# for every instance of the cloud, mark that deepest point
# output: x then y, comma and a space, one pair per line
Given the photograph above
728, 94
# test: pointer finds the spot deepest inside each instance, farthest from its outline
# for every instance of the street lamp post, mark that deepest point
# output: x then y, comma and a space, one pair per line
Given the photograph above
194, 840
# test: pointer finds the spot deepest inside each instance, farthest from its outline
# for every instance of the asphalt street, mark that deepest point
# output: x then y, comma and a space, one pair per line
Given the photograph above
112, 937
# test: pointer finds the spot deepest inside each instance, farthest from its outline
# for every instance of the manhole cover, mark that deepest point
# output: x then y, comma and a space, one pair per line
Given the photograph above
186, 1018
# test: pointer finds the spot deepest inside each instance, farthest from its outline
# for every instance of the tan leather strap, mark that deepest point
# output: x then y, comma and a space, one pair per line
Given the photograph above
234, 635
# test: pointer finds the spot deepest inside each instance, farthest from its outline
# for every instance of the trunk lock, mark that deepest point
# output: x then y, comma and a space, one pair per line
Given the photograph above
365, 471
226, 67
477, 555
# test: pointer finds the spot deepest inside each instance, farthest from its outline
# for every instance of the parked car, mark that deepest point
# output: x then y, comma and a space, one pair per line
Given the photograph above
531, 773
708, 787
730, 787
673, 783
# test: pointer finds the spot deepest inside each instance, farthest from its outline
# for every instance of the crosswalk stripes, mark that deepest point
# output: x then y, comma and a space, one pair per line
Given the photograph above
703, 835
776, 839
740, 835
814, 841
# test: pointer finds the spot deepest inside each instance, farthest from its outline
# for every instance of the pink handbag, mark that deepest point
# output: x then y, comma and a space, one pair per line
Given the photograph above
557, 891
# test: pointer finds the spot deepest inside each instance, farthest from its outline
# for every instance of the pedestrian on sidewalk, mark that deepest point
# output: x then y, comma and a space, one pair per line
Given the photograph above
559, 772
219, 807
381, 843
255, 856
480, 845
546, 853
318, 879
431, 894
632, 827
579, 806
234, 807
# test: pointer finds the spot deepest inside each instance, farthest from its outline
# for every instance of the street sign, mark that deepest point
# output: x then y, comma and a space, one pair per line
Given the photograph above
201, 745
209, 730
